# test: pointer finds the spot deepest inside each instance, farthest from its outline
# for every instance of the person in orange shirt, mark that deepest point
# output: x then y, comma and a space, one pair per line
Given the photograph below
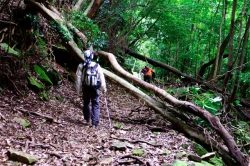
148, 74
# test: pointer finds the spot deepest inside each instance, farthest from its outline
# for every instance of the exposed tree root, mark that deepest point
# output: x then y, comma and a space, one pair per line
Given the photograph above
134, 157
156, 129
48, 118
136, 141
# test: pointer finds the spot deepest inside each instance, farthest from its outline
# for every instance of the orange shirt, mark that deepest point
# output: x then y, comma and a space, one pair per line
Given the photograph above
149, 72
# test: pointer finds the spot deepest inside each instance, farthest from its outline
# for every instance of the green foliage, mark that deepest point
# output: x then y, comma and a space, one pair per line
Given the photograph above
242, 131
54, 76
41, 46
35, 83
62, 29
22, 121
206, 100
91, 30
41, 74
184, 146
179, 163
139, 152
165, 152
44, 95
66, 35
6, 47
245, 78
237, 103
217, 161
199, 149
59, 98
117, 125
34, 20
209, 102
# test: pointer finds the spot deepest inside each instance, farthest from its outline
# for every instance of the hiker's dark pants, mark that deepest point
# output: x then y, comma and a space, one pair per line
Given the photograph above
147, 78
91, 96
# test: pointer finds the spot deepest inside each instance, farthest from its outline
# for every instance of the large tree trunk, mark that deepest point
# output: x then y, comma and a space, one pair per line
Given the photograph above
230, 57
242, 56
216, 62
158, 107
94, 8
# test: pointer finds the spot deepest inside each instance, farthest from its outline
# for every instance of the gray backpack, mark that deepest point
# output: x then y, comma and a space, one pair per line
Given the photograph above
91, 76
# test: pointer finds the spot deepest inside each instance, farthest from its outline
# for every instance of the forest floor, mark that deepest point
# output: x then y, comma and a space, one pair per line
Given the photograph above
59, 136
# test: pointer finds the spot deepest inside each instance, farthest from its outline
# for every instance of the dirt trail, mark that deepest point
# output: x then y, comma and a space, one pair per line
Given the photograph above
67, 140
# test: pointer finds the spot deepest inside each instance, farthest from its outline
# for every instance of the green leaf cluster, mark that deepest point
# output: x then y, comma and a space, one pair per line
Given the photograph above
34, 20
91, 30
62, 29
139, 152
242, 132
206, 100
41, 74
35, 83
200, 150
6, 47
216, 161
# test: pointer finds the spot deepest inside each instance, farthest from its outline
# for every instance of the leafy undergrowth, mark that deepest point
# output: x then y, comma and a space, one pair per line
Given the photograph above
57, 134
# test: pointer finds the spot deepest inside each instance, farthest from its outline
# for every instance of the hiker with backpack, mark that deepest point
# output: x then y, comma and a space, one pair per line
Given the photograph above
148, 74
90, 79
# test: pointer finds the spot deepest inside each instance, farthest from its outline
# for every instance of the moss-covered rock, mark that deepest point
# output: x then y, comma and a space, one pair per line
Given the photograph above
180, 155
117, 125
205, 163
216, 161
22, 121
199, 149
139, 152
22, 157
54, 76
179, 163
118, 146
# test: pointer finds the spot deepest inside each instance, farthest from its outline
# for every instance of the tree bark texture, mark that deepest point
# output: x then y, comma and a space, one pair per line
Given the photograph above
94, 8
241, 60
230, 57
79, 4
216, 62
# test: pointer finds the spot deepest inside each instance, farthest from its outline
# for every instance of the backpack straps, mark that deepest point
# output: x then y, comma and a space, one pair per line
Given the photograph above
91, 68
94, 67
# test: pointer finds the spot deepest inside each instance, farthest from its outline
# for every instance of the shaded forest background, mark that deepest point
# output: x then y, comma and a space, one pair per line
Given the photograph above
201, 48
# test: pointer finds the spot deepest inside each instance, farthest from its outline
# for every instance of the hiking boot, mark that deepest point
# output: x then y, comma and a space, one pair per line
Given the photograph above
94, 126
86, 122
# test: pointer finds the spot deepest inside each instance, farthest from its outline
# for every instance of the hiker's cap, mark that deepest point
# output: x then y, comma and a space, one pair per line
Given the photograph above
88, 54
